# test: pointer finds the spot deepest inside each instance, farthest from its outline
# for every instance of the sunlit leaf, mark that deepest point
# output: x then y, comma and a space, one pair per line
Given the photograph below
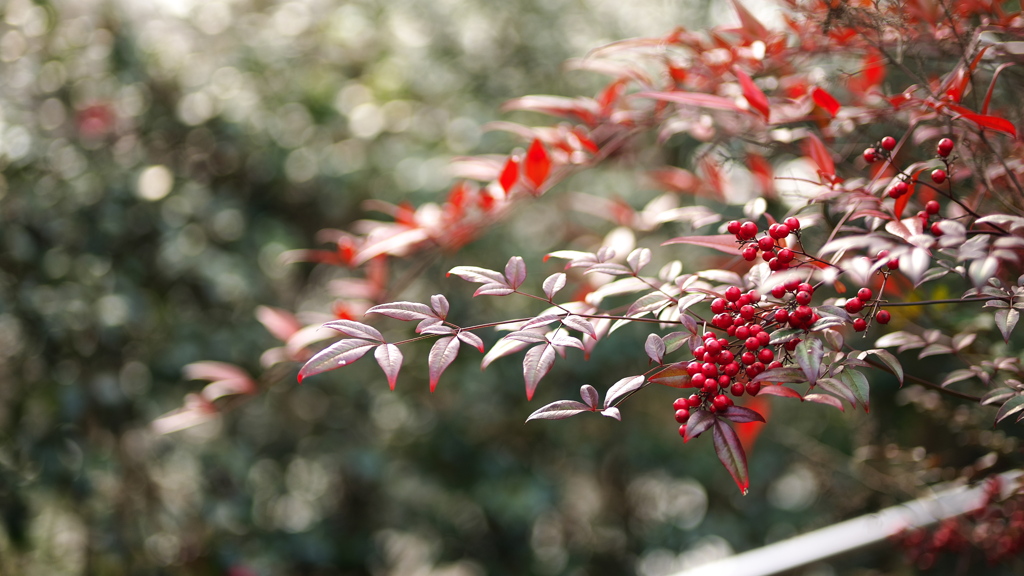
389, 357
355, 329
536, 365
336, 355
623, 388
559, 410
442, 354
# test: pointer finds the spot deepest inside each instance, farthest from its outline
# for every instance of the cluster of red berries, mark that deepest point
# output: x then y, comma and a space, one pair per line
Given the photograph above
880, 151
770, 245
858, 303
713, 402
944, 148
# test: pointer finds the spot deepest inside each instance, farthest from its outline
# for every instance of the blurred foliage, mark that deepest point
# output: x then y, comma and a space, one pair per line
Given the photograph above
158, 156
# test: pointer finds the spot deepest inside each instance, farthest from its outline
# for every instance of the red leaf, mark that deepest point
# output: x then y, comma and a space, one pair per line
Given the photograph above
780, 390
389, 357
871, 75
442, 353
751, 26
901, 202
826, 400
992, 122
958, 81
509, 175
755, 97
825, 100
722, 242
280, 323
814, 148
693, 99
730, 453
611, 94
763, 173
748, 432
675, 375
536, 365
537, 165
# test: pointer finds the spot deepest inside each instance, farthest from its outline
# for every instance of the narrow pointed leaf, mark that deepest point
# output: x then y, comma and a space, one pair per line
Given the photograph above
808, 355
1010, 407
623, 388
478, 275
442, 353
858, 384
674, 375
536, 365
638, 258
403, 311
471, 339
837, 388
355, 329
779, 390
589, 395
580, 324
721, 242
826, 400
554, 283
788, 375
755, 97
698, 423
336, 355
648, 303
389, 357
527, 336
825, 100
741, 414
890, 361
493, 289
509, 175
566, 341
501, 349
559, 410
537, 164
816, 149
730, 453
674, 341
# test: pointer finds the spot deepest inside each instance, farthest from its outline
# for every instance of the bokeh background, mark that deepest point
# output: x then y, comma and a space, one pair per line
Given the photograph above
157, 159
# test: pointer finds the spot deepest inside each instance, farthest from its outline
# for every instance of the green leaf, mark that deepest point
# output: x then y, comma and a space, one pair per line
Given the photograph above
783, 336
838, 388
730, 453
808, 355
1006, 320
858, 384
1011, 407
890, 360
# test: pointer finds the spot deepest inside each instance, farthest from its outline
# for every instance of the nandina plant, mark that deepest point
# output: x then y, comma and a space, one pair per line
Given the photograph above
915, 189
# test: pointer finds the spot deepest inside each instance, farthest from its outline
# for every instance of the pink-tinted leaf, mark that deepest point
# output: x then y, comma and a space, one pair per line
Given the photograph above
228, 387
494, 289
825, 100
590, 396
826, 400
608, 268
755, 97
439, 329
638, 258
612, 412
509, 175
426, 324
542, 320
837, 388
280, 323
213, 371
471, 339
585, 109
442, 353
673, 375
563, 341
336, 355
623, 388
403, 311
815, 148
515, 272
648, 303
478, 275
740, 414
554, 283
355, 329
722, 242
559, 410
699, 422
674, 341
655, 347
501, 348
537, 164
389, 357
693, 99
440, 305
536, 365
195, 411
527, 336
808, 355
788, 374
580, 324
780, 390
1006, 321
730, 453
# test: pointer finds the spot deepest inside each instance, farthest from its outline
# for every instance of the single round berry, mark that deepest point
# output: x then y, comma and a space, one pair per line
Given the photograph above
778, 231
756, 329
748, 357
732, 293
944, 147
680, 404
737, 389
793, 223
724, 381
854, 305
731, 369
699, 351
749, 253
865, 293
725, 358
713, 346
748, 230
936, 229
860, 324
870, 155
721, 401
932, 207
742, 332
781, 316
893, 264
766, 243
883, 317
768, 256
786, 256
710, 386
939, 175
803, 297
765, 355
733, 227
792, 344
753, 388
775, 265
763, 338
693, 401
888, 143
748, 311
682, 430
682, 415
778, 291
805, 287
751, 343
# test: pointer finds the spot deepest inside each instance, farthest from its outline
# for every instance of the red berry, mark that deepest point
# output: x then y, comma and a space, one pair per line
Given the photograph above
697, 380
768, 256
865, 294
792, 344
781, 316
763, 338
805, 287
749, 253
899, 189
731, 369
792, 284
883, 317
751, 343
944, 147
682, 430
786, 255
724, 381
803, 297
775, 265
888, 143
756, 329
693, 401
698, 352
778, 231
753, 388
742, 332
939, 175
936, 229
870, 155
682, 415
748, 230
792, 223
894, 264
710, 386
712, 346
718, 305
733, 227
748, 358
766, 243
778, 291
680, 403
860, 324
854, 305
932, 207
732, 293
725, 358
737, 389
748, 311
774, 364
709, 370
721, 401
765, 355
